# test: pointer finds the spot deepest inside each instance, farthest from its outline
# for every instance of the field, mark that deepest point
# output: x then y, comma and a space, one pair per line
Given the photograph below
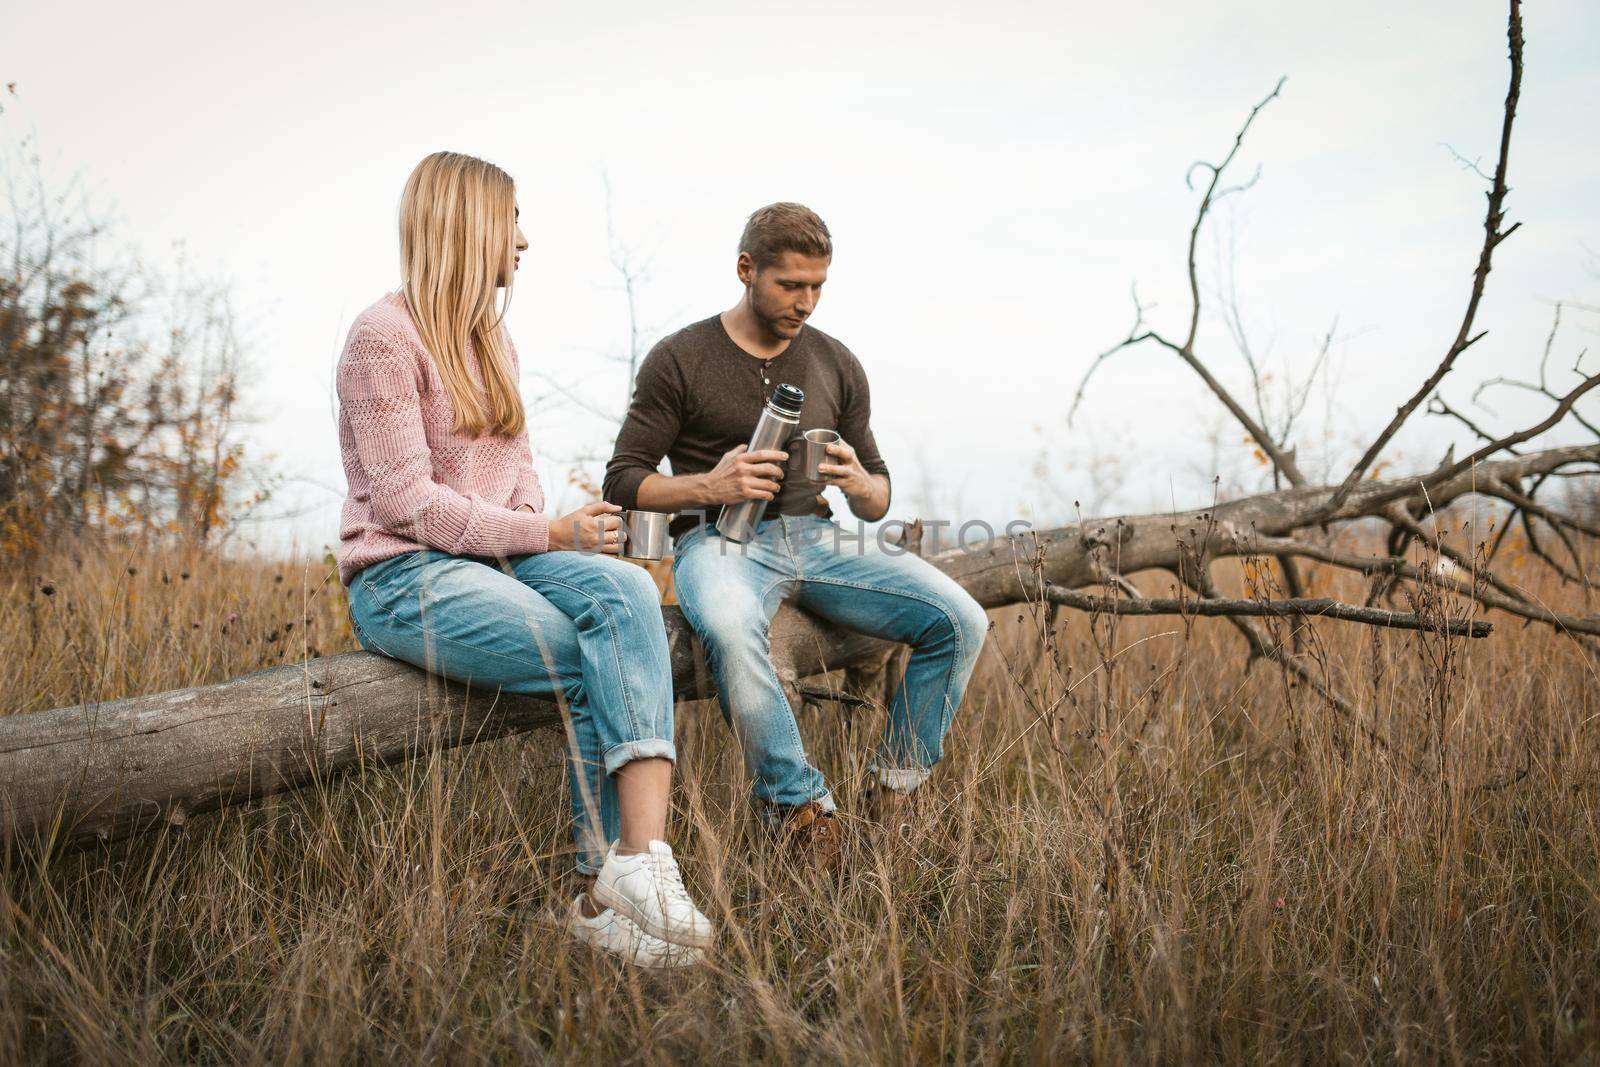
1136, 851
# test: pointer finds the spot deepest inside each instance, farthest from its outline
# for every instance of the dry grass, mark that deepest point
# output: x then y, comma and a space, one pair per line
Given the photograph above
1153, 857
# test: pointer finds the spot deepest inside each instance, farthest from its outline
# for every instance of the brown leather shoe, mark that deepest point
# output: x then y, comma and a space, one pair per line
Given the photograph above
889, 809
811, 836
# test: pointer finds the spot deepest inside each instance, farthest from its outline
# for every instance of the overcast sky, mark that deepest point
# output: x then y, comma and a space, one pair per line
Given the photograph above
996, 177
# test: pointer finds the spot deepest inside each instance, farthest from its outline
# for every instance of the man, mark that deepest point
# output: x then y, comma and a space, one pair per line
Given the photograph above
698, 396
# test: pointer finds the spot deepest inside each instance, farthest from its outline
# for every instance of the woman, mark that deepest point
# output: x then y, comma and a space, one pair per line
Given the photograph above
452, 564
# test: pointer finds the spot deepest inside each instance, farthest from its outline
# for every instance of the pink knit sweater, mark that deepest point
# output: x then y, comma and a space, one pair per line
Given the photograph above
414, 482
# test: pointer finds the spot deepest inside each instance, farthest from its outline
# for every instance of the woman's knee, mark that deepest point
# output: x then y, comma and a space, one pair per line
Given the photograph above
627, 588
609, 594
640, 586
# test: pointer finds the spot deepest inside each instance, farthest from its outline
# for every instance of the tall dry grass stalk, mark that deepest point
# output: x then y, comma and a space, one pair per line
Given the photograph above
1136, 851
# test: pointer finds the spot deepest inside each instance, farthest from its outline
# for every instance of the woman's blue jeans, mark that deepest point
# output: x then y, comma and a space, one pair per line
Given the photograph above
729, 593
583, 625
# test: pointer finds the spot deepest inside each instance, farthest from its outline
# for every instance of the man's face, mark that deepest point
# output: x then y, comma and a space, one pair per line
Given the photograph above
785, 292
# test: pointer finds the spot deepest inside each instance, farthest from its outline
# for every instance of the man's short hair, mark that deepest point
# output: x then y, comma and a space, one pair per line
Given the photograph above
784, 227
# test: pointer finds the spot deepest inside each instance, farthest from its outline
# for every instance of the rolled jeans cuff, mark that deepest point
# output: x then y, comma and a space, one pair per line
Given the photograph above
619, 756
901, 780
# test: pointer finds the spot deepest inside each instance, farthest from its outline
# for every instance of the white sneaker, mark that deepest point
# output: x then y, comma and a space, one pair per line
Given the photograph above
620, 935
647, 888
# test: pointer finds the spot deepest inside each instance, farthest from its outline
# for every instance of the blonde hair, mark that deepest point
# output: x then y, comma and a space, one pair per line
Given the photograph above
457, 241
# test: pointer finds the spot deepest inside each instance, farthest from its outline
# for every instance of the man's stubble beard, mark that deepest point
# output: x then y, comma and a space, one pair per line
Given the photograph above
769, 322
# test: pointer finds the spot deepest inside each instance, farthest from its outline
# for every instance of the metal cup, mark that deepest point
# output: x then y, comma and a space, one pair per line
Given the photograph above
817, 442
644, 534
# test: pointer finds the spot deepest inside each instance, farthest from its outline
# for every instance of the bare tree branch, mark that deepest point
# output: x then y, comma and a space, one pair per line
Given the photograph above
1492, 236
1543, 388
1306, 607
1282, 459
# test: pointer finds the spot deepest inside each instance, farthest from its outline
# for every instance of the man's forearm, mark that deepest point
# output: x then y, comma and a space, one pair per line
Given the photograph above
870, 507
664, 492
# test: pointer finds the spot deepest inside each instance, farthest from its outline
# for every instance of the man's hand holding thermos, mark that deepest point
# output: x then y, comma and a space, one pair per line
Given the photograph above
745, 475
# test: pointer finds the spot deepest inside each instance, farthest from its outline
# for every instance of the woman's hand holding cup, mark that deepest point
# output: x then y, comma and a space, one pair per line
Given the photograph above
595, 527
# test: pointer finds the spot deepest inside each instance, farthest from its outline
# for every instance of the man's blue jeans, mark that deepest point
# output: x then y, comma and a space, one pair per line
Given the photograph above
581, 624
729, 593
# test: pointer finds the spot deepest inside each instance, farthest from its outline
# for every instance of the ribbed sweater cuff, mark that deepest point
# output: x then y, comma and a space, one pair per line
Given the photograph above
530, 530
495, 531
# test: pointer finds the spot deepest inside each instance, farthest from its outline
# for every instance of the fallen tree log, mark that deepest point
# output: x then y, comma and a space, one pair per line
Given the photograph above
99, 772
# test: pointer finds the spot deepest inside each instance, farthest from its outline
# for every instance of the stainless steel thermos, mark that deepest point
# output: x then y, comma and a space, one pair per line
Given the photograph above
737, 522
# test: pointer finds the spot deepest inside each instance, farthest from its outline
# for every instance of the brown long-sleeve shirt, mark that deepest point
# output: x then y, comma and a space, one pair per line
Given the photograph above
699, 394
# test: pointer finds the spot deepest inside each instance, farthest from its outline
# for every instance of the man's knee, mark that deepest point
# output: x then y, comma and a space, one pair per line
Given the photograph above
974, 621
729, 628
721, 608
966, 619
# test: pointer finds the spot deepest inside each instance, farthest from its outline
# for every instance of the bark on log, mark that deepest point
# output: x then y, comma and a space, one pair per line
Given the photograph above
99, 772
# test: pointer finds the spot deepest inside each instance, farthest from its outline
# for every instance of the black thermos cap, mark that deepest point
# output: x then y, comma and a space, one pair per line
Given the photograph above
787, 399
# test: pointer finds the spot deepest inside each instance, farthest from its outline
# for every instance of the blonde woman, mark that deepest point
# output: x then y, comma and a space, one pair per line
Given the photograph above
453, 565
